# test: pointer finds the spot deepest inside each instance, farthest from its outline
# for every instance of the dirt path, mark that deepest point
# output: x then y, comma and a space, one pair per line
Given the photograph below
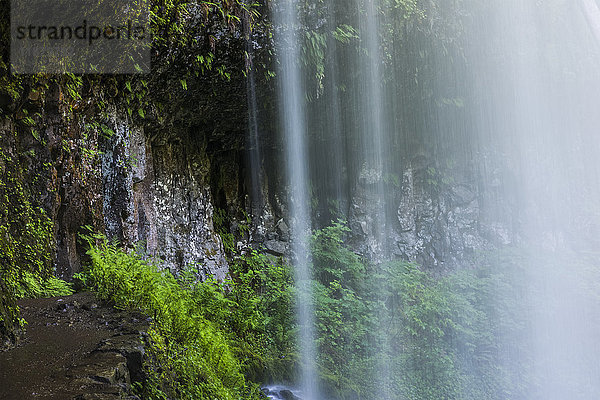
74, 348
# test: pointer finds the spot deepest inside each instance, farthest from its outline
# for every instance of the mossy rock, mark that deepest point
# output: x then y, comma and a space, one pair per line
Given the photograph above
9, 318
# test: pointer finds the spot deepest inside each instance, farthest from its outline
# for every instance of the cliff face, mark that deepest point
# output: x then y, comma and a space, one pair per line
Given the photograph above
158, 185
134, 186
156, 191
170, 187
437, 218
167, 179
156, 180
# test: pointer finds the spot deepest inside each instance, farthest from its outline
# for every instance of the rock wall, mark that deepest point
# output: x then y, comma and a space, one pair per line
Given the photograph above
438, 218
149, 188
157, 187
444, 225
157, 195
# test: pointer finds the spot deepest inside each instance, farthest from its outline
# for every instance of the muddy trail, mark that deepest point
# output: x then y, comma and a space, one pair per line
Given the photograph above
74, 347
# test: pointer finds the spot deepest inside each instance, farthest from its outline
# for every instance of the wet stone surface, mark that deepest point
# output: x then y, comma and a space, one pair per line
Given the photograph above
278, 392
74, 347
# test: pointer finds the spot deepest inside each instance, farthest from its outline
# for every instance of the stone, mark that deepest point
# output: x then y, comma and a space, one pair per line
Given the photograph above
106, 368
131, 347
461, 195
276, 247
288, 395
283, 230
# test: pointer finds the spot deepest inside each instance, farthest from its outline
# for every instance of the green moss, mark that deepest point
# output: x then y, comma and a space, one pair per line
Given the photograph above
9, 317
25, 242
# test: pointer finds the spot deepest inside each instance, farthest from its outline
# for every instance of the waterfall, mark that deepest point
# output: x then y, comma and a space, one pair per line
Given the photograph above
439, 134
373, 136
592, 13
292, 114
252, 137
542, 89
372, 121
330, 157
330, 149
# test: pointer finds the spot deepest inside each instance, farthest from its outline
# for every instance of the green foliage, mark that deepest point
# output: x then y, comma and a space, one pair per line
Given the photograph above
253, 310
439, 337
333, 260
9, 317
33, 286
25, 230
206, 336
262, 290
184, 46
221, 224
190, 357
25, 240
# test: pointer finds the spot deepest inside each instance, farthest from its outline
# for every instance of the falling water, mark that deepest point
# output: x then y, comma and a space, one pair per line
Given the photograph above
371, 116
333, 164
522, 106
540, 66
252, 137
373, 136
293, 126
329, 148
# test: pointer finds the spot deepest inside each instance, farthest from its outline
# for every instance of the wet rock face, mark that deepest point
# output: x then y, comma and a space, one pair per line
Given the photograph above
158, 186
157, 195
437, 230
183, 206
151, 185
60, 178
117, 179
434, 221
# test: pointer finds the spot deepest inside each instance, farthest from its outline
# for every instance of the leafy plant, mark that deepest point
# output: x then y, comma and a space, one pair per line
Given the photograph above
33, 286
206, 336
190, 356
25, 248
396, 330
